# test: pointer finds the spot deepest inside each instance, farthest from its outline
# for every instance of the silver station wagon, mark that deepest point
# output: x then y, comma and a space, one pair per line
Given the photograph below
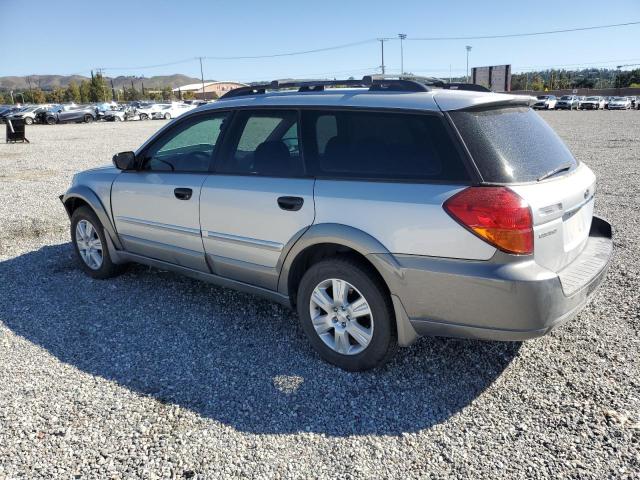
382, 209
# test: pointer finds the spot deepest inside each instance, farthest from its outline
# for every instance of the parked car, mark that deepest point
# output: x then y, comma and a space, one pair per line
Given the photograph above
28, 114
546, 102
633, 101
619, 103
567, 102
7, 112
119, 114
384, 230
174, 110
67, 114
607, 99
145, 112
592, 103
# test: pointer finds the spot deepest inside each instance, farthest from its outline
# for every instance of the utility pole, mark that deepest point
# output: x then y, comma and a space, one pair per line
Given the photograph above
402, 36
449, 73
382, 40
468, 47
30, 90
202, 78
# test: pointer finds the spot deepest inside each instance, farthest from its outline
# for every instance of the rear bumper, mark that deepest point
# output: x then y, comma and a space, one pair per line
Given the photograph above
496, 300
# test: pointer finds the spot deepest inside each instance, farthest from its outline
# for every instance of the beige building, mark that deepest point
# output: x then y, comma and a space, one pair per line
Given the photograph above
211, 89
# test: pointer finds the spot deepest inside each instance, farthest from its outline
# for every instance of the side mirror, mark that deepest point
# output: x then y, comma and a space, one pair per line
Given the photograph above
125, 160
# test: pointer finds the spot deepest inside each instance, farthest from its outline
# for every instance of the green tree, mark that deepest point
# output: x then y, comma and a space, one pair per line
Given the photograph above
85, 91
131, 94
98, 89
188, 95
72, 93
167, 93
55, 96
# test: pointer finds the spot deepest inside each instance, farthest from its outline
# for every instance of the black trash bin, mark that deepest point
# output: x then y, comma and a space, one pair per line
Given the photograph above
16, 130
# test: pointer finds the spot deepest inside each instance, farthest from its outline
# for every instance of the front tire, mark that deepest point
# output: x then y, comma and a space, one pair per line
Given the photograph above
89, 242
167, 116
346, 312
88, 119
28, 121
144, 116
51, 121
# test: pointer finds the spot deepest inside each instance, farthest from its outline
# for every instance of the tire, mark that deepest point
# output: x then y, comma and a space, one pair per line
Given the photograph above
116, 119
103, 269
376, 330
88, 119
167, 116
144, 116
50, 121
28, 121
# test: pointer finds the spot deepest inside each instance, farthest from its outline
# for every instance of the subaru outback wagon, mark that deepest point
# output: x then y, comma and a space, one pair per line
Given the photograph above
382, 210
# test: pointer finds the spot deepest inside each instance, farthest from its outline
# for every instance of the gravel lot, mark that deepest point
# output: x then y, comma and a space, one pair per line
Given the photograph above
157, 376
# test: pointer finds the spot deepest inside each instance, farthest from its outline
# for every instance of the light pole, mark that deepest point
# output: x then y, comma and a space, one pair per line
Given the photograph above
202, 78
402, 36
382, 40
468, 47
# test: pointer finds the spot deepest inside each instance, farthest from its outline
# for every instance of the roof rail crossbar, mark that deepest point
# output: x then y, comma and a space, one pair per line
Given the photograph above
372, 82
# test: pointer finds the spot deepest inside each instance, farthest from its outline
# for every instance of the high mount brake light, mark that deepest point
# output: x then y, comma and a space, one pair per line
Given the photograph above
497, 215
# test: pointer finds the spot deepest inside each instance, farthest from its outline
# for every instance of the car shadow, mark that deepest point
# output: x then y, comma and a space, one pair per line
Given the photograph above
231, 357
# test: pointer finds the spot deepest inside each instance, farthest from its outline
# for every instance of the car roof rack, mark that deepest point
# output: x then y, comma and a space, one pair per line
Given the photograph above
393, 83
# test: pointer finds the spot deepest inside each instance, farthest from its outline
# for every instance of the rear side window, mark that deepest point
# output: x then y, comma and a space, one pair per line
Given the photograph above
376, 145
512, 144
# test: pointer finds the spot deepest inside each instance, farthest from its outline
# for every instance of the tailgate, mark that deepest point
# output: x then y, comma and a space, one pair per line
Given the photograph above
562, 211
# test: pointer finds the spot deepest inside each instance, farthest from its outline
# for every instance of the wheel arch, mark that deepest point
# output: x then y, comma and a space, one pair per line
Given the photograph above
324, 240
82, 195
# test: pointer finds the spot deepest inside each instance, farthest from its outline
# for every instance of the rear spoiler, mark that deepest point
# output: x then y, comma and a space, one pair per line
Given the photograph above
483, 102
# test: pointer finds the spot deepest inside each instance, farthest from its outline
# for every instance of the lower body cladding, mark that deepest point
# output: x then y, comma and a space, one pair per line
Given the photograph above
491, 300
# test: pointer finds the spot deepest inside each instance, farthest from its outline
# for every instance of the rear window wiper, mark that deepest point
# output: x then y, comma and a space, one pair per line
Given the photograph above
555, 171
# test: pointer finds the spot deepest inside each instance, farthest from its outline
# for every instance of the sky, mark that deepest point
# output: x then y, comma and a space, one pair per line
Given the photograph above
140, 37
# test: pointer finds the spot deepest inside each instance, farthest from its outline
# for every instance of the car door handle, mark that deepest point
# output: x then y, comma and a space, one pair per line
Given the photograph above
290, 203
183, 193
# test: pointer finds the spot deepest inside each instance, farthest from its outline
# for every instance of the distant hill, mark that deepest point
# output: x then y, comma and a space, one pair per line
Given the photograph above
49, 82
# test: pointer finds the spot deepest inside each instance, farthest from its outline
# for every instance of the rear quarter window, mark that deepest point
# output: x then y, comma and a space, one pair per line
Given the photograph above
381, 145
512, 144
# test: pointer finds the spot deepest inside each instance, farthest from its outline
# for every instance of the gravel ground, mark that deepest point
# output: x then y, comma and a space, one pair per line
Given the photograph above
154, 375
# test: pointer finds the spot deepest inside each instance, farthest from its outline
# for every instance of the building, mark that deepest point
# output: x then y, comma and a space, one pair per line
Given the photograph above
211, 89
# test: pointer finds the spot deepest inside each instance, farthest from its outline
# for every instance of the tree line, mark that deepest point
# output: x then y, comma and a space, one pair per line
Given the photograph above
91, 91
569, 79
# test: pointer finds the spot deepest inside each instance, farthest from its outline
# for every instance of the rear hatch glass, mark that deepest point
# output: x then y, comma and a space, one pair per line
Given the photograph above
512, 144
515, 146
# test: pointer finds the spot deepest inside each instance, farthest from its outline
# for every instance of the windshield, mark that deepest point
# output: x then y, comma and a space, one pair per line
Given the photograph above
620, 99
565, 97
543, 97
595, 99
511, 144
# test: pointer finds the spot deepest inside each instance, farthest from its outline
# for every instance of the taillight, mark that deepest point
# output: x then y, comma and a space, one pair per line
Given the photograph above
498, 215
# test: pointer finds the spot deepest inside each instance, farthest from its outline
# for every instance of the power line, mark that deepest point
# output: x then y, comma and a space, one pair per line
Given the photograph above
529, 34
143, 67
364, 42
300, 52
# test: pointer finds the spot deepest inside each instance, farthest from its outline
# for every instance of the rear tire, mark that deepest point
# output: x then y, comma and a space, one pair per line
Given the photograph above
341, 331
50, 121
167, 116
144, 116
90, 245
28, 121
88, 119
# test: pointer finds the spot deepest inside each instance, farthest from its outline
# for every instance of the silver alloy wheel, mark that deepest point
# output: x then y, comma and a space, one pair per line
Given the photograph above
89, 244
341, 316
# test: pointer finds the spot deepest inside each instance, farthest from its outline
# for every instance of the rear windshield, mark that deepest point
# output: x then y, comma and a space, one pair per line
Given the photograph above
512, 144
